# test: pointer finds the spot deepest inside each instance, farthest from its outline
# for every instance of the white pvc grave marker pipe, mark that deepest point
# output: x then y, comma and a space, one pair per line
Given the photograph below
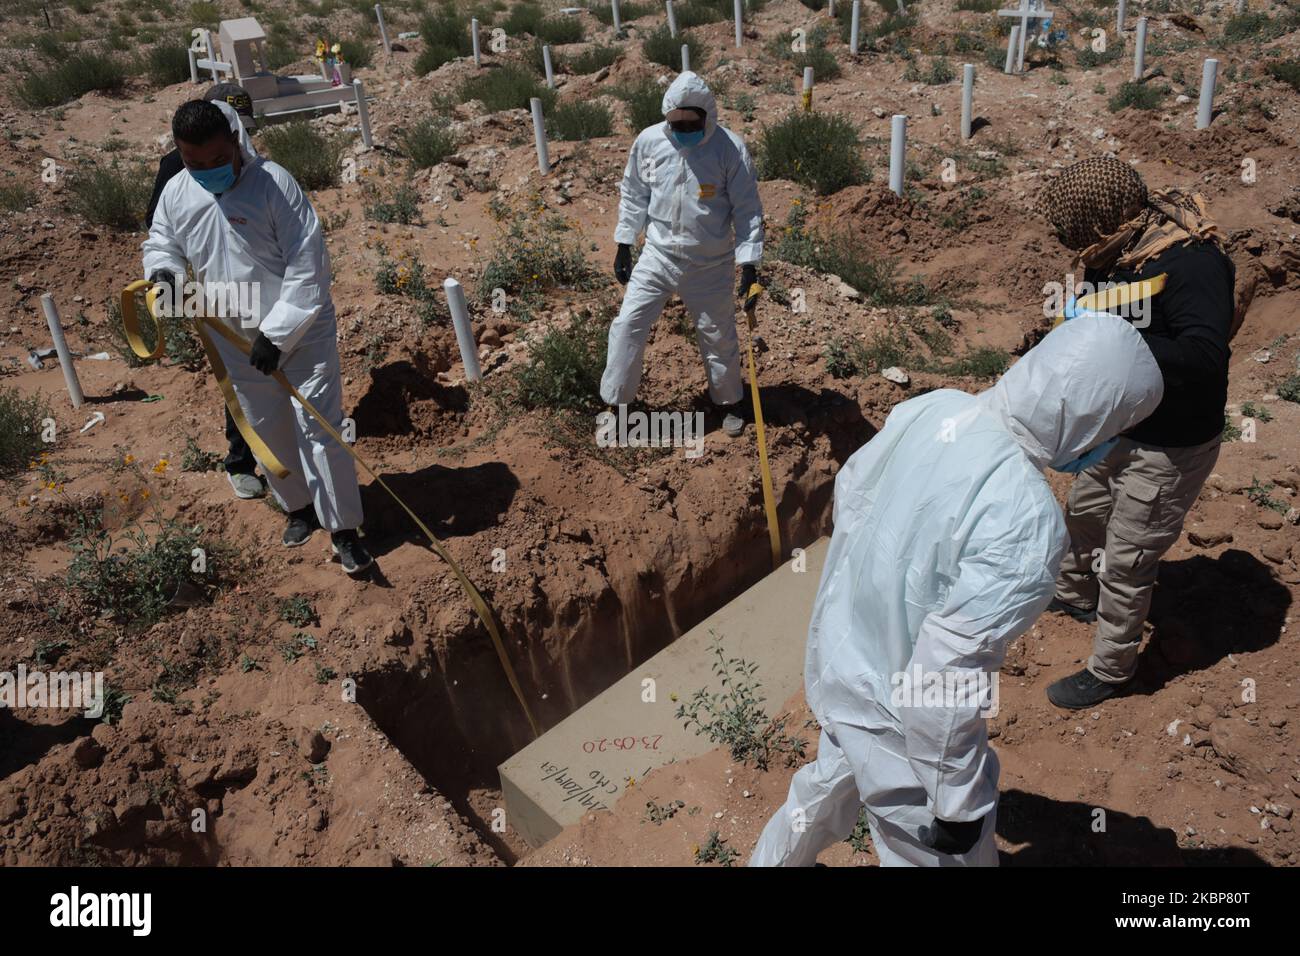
739, 6
1205, 111
546, 62
967, 94
464, 331
1013, 44
61, 346
672, 18
473, 33
854, 22
1140, 50
807, 88
194, 66
1120, 13
539, 134
383, 29
618, 20
363, 113
897, 149
686, 58
830, 9
1241, 7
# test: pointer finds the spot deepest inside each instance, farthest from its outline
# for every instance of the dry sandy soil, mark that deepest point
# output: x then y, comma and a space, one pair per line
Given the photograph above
609, 557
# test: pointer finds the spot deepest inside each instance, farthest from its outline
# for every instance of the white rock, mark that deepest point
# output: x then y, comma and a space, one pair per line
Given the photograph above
896, 375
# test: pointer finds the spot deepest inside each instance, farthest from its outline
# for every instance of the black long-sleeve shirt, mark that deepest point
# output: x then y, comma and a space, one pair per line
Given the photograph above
1188, 335
168, 166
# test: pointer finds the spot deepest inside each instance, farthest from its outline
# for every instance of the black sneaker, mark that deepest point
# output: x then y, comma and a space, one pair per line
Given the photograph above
351, 552
1085, 614
1082, 690
300, 527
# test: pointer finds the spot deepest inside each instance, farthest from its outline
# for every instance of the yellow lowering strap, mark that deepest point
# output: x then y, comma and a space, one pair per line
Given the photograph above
1117, 296
769, 498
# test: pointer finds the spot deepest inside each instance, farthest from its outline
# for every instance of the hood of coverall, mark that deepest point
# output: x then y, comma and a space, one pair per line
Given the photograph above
688, 90
246, 152
1087, 381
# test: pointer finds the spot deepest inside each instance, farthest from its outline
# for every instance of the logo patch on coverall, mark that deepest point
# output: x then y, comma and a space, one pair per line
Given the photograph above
708, 190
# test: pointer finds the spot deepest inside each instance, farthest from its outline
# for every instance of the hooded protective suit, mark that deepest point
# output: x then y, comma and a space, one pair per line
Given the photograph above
261, 243
946, 547
699, 209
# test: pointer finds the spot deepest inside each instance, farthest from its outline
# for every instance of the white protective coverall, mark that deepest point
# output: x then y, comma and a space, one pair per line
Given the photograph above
946, 546
700, 211
263, 233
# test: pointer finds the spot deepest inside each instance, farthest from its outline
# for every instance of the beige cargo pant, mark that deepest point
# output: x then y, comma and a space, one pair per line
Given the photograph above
1123, 514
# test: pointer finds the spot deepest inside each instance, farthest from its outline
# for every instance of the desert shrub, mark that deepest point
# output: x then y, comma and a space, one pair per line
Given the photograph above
660, 46
507, 88
73, 77
534, 253
358, 52
20, 430
579, 120
1088, 58
1254, 25
15, 197
698, 13
115, 196
876, 279
940, 72
166, 63
823, 62
1289, 390
825, 65
564, 366
813, 4
446, 37
132, 576
736, 717
1285, 71
979, 6
818, 150
983, 362
627, 12
310, 157
204, 13
1139, 96
644, 101
427, 143
403, 206
560, 30
593, 58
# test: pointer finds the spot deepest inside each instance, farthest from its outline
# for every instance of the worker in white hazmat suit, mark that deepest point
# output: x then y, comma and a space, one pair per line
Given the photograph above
252, 240
690, 186
946, 547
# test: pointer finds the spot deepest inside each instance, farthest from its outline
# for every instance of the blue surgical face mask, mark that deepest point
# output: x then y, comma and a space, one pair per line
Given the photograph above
689, 139
215, 181
1087, 459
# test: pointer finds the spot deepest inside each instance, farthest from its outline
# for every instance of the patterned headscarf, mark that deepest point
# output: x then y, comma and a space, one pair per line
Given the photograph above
1092, 199
1100, 208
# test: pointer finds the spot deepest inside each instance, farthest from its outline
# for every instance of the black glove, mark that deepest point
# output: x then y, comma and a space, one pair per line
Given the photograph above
264, 357
169, 294
952, 838
748, 277
623, 263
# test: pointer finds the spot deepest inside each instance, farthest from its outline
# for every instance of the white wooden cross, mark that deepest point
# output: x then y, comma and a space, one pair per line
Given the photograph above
1028, 10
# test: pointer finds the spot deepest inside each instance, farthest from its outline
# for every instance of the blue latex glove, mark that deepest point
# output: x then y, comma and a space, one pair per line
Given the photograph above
1087, 459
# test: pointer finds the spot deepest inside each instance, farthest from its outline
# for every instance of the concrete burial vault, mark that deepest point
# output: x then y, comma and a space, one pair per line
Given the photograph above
582, 764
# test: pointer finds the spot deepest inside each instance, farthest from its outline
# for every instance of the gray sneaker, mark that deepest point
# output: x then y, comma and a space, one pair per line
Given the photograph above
246, 486
733, 425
